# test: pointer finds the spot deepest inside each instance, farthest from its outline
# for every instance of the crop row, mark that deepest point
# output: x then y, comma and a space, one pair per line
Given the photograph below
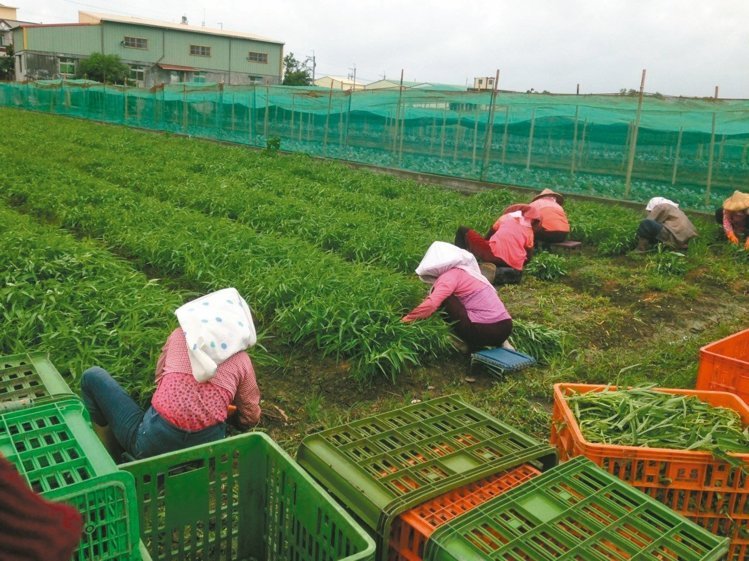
360, 216
311, 297
80, 303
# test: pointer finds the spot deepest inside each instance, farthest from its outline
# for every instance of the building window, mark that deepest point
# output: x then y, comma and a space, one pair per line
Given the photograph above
198, 77
200, 50
135, 43
255, 79
258, 57
66, 67
138, 74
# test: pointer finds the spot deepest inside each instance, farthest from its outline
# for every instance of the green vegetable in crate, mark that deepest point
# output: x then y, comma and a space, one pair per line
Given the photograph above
644, 417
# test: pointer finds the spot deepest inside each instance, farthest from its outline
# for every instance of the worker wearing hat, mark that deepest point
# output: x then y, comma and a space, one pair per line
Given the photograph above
734, 217
554, 226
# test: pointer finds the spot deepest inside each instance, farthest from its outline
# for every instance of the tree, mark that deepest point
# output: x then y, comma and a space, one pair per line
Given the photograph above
103, 68
296, 73
7, 64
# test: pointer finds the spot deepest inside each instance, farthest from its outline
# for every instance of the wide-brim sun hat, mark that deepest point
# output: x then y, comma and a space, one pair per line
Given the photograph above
737, 202
549, 193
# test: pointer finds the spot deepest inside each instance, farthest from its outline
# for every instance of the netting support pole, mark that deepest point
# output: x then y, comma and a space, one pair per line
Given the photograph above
489, 127
397, 115
633, 144
291, 126
505, 134
710, 163
327, 121
530, 139
676, 156
443, 134
457, 139
348, 115
475, 137
125, 97
184, 108
267, 111
574, 140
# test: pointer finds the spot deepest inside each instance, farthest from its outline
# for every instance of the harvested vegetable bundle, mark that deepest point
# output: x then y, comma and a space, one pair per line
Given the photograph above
644, 417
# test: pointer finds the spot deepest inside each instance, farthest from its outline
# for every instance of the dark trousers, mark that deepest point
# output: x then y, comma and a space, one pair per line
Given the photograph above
140, 433
476, 335
546, 237
649, 230
471, 240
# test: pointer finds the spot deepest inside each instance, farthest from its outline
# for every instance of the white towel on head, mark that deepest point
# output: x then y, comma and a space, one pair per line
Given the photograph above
655, 201
216, 326
443, 256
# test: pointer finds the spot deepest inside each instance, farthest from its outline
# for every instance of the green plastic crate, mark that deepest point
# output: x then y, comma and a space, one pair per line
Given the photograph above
576, 511
55, 449
53, 445
109, 509
241, 499
383, 465
28, 378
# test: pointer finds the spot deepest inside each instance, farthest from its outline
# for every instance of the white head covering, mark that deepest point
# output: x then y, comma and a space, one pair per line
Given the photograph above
443, 256
216, 326
655, 201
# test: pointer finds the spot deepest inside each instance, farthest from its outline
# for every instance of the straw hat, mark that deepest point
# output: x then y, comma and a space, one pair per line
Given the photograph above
549, 193
736, 202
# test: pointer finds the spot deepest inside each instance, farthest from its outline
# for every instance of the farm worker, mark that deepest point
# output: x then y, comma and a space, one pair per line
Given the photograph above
734, 217
509, 242
665, 223
465, 294
33, 528
554, 226
203, 369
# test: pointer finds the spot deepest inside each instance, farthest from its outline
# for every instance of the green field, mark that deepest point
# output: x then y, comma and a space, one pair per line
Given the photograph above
106, 230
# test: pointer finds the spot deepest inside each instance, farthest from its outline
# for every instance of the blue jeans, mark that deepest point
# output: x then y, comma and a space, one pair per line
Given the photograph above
141, 434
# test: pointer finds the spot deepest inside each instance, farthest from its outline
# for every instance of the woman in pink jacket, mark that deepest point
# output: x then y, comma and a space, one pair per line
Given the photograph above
459, 288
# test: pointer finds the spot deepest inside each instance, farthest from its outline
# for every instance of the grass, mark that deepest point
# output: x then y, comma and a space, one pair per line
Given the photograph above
259, 222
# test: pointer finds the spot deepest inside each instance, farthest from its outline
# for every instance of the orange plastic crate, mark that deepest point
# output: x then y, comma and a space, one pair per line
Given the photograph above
411, 530
709, 491
724, 365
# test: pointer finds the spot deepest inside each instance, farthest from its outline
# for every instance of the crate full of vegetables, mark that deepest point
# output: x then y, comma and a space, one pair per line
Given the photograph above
724, 365
688, 449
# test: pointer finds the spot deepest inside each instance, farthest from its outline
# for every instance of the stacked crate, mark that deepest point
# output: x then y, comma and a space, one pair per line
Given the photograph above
382, 466
45, 432
573, 512
709, 491
241, 499
724, 365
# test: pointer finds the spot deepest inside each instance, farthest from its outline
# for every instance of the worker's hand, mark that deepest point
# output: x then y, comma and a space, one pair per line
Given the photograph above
732, 238
746, 244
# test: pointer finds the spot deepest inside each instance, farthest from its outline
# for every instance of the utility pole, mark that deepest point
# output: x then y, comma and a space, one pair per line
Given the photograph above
314, 65
353, 76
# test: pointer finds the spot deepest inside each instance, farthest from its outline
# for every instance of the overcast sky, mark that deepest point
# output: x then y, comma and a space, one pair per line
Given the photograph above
687, 46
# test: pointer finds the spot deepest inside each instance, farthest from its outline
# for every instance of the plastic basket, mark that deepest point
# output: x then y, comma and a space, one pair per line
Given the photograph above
27, 378
412, 529
53, 445
709, 491
110, 517
240, 499
54, 448
724, 365
383, 465
574, 512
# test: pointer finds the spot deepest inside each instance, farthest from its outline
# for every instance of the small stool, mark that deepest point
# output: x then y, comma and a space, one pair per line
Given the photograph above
502, 360
568, 246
